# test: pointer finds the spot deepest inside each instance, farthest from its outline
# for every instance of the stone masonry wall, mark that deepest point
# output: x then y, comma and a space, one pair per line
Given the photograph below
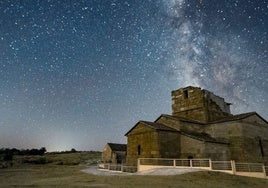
225, 107
246, 140
213, 111
200, 105
191, 148
169, 144
169, 122
146, 139
217, 151
107, 154
179, 125
256, 140
189, 103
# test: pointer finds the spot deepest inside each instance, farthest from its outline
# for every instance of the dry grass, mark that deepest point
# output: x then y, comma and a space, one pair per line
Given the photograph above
71, 176
60, 158
67, 175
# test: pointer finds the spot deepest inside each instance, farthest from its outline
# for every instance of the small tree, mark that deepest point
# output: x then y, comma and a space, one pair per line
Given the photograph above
42, 151
8, 156
73, 150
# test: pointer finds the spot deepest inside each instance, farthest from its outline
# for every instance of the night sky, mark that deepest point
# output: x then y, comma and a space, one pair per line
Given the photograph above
79, 74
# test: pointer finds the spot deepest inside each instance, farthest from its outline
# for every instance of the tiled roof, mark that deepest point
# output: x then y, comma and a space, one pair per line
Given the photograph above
195, 135
118, 147
238, 117
158, 126
153, 125
225, 119
203, 137
180, 119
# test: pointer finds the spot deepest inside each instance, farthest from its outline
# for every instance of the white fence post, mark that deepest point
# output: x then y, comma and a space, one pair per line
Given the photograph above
264, 170
138, 165
174, 162
191, 163
233, 166
210, 164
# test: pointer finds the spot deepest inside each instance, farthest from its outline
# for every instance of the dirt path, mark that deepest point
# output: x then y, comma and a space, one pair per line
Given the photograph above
161, 171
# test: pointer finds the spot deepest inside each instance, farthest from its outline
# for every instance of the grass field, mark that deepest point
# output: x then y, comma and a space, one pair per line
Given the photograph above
86, 158
63, 175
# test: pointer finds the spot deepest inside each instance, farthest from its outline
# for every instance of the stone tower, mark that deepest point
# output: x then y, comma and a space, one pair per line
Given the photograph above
200, 105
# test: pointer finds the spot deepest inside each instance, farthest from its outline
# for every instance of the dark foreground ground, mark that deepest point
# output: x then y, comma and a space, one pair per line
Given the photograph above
72, 176
66, 170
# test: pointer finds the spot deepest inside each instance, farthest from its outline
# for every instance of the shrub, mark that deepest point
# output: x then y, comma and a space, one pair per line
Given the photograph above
8, 156
41, 160
36, 160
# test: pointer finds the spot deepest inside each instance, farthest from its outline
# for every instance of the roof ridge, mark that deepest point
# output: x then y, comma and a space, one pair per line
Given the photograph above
153, 125
238, 117
117, 147
115, 143
203, 137
180, 118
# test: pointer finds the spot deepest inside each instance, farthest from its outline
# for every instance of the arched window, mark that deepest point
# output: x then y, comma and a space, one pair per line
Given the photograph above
185, 93
139, 149
261, 147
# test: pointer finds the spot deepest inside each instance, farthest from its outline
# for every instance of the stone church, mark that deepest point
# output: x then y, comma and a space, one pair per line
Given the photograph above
201, 126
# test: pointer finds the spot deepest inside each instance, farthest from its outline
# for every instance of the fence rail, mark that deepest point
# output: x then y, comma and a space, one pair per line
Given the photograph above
200, 162
156, 161
129, 169
175, 162
221, 165
248, 169
182, 162
117, 167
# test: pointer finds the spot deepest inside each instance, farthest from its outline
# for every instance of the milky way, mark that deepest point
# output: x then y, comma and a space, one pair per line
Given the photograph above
222, 46
78, 74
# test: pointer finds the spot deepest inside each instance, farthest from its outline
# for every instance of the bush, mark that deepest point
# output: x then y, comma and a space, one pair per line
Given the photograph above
41, 160
5, 164
73, 150
68, 162
36, 160
8, 157
6, 154
15, 151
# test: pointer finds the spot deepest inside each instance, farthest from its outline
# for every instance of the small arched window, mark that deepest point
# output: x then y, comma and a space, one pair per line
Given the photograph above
139, 149
185, 93
261, 147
